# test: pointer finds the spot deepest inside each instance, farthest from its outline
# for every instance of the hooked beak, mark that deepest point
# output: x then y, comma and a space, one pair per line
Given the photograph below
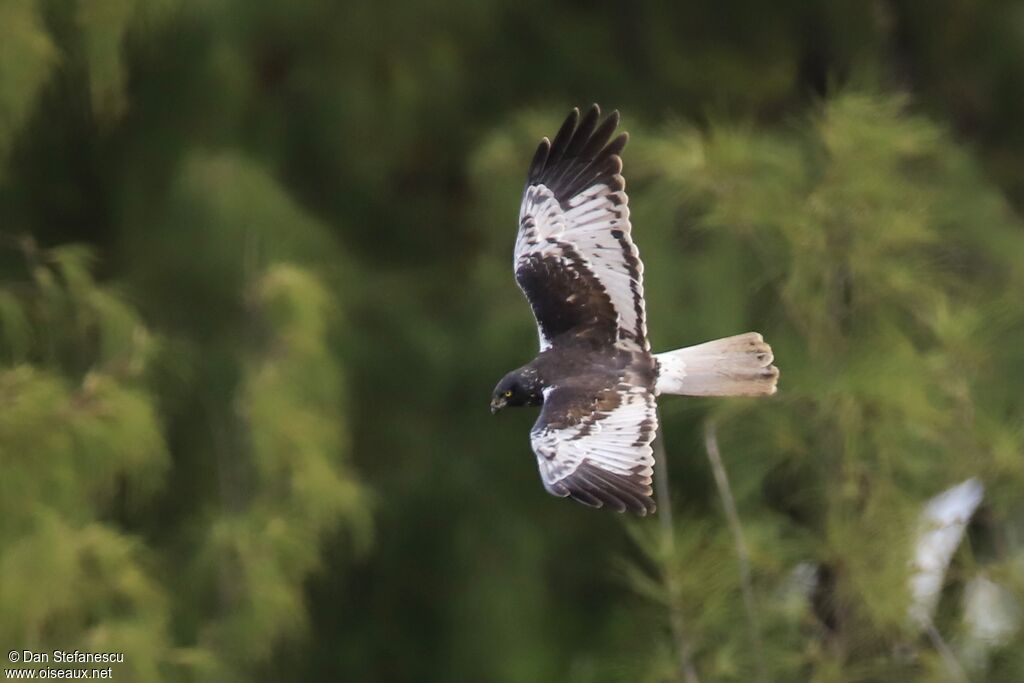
497, 404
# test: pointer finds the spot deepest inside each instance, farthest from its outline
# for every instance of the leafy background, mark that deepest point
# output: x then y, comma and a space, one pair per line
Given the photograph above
255, 290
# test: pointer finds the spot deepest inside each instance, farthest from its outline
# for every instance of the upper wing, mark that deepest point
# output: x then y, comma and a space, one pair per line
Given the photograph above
597, 448
574, 258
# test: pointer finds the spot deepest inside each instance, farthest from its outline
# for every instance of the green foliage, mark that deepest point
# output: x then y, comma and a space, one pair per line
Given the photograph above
83, 449
869, 269
854, 238
255, 292
266, 543
78, 445
27, 56
103, 27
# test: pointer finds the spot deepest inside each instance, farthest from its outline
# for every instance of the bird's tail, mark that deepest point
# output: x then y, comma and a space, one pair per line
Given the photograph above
734, 366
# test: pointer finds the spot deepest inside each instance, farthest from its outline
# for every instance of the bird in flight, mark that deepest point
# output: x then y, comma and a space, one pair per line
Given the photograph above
595, 377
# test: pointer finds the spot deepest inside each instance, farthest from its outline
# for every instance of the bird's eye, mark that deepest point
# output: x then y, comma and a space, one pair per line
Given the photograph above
508, 393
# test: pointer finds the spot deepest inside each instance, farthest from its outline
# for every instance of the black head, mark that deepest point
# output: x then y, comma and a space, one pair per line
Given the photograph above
518, 388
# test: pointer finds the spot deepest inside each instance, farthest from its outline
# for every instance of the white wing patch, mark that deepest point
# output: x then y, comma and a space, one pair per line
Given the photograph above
603, 458
575, 215
597, 228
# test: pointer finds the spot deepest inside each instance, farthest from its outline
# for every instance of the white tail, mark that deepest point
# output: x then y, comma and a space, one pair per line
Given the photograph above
734, 366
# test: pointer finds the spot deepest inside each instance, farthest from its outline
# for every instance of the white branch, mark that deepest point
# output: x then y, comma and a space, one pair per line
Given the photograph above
742, 553
687, 672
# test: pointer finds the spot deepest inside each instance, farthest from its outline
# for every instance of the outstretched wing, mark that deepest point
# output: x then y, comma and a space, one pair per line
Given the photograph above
574, 257
596, 448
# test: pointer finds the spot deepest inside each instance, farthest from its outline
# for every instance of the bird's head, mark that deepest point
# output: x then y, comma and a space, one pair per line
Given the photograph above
517, 388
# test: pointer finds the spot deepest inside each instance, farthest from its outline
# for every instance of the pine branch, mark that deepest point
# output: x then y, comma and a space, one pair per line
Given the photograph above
742, 552
687, 672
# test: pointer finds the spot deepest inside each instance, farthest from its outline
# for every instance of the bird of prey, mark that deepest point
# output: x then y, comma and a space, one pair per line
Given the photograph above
595, 377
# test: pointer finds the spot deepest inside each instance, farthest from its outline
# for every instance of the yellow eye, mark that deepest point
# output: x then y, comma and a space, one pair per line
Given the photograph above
508, 393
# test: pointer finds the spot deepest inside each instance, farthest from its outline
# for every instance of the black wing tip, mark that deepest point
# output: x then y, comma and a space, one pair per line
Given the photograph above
571, 119
645, 507
593, 112
596, 108
616, 146
540, 157
576, 154
596, 487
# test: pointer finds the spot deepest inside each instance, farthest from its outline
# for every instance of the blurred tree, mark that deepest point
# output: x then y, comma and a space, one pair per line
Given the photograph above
85, 463
81, 444
302, 215
859, 235
27, 56
851, 243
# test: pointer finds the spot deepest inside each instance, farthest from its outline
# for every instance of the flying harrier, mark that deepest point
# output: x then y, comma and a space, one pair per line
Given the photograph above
595, 376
